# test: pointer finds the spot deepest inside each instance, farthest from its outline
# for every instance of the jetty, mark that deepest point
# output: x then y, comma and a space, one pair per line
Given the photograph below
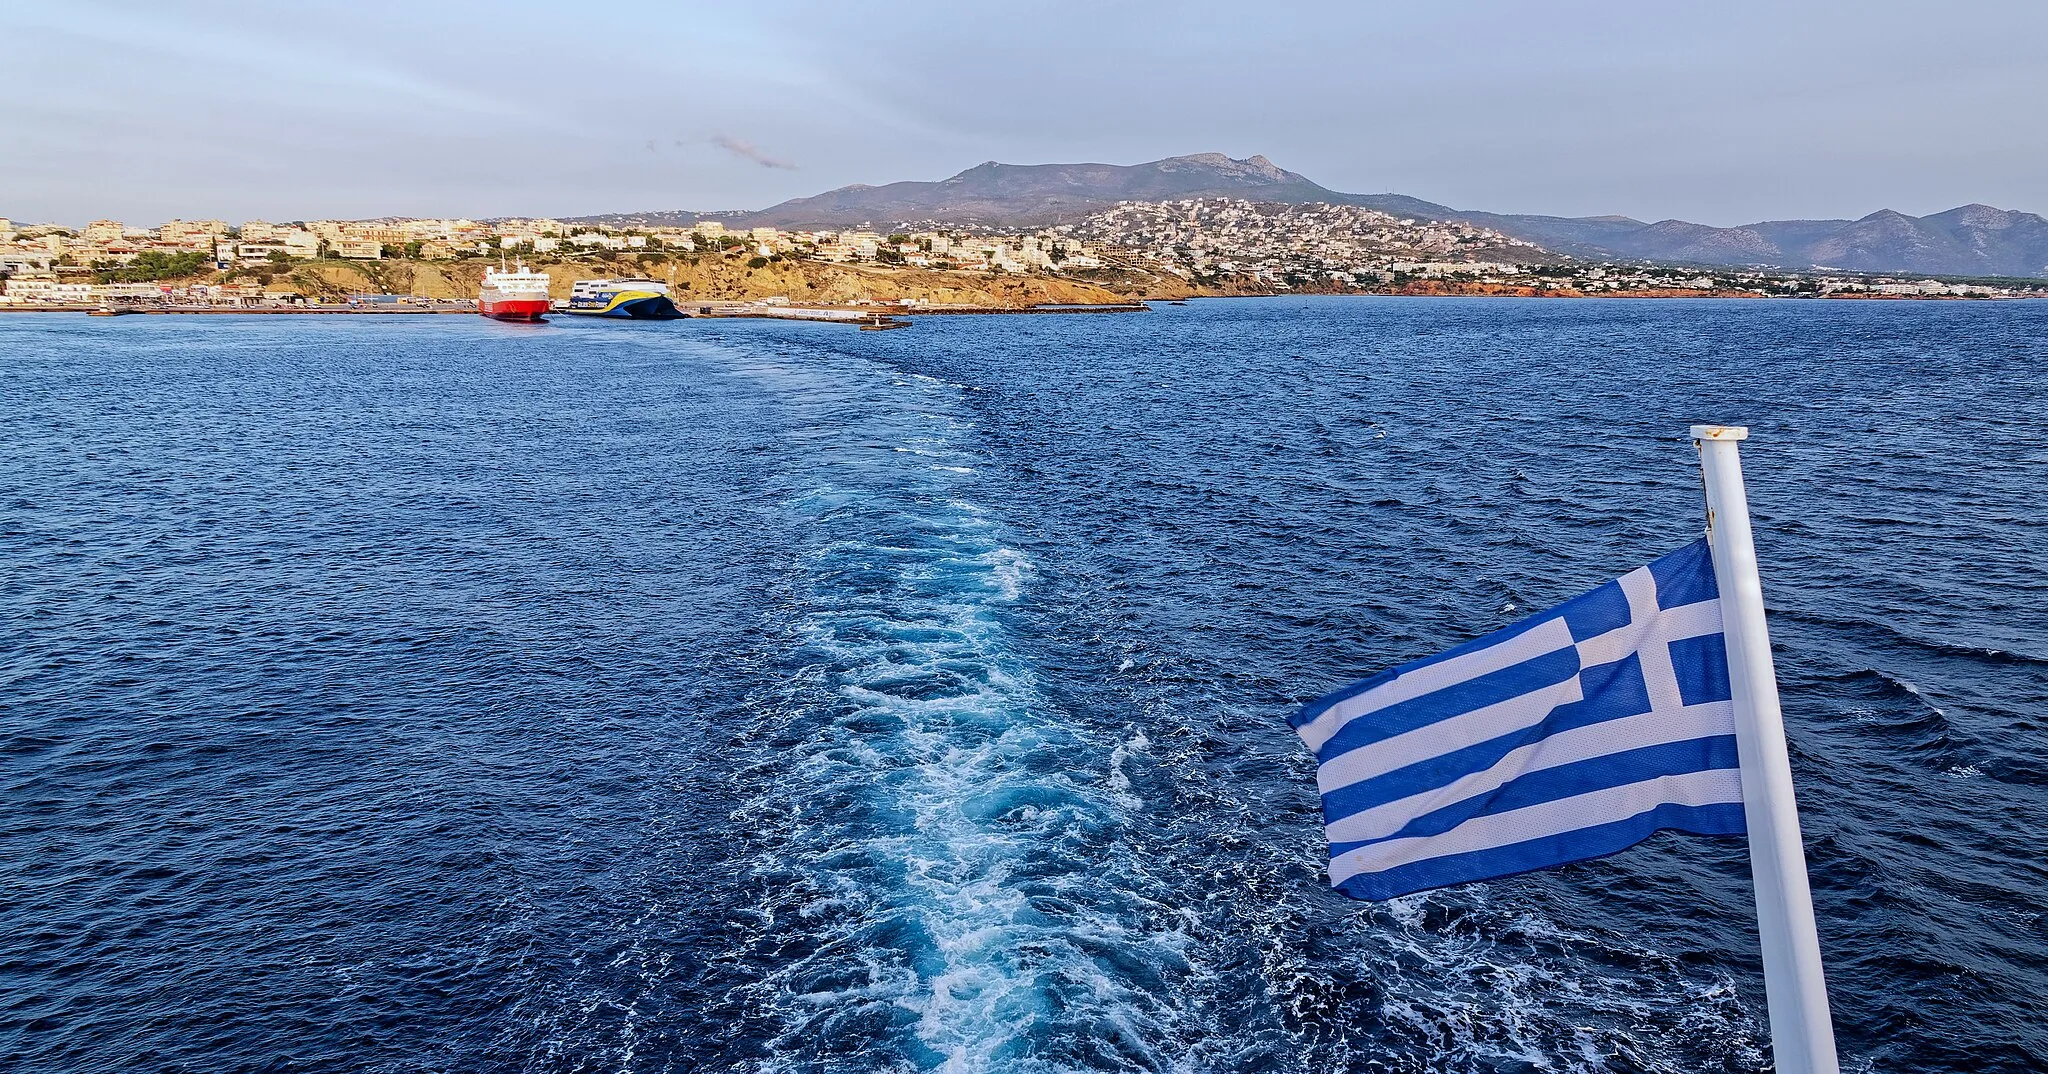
382, 309
880, 314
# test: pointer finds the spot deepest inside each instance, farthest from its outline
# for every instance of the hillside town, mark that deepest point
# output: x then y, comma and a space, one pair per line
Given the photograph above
104, 245
1211, 238
1217, 242
107, 260
1169, 248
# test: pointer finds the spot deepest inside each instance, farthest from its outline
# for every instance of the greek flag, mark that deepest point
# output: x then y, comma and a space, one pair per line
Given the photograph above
1573, 734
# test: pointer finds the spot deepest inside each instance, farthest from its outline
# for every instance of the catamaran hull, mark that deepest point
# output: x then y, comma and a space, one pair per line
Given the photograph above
639, 307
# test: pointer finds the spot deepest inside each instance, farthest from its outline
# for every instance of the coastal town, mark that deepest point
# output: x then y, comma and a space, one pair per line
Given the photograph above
1133, 250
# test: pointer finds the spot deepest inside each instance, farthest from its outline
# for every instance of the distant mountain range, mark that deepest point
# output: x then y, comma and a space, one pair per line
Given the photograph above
1973, 240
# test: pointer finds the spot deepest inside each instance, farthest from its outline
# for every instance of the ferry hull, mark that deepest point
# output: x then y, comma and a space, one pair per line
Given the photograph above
640, 306
515, 310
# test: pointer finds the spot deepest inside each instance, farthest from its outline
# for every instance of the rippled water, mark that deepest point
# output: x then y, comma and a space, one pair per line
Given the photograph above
401, 694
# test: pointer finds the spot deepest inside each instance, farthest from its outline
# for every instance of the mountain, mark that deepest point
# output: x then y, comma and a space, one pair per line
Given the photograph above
1035, 195
660, 218
1974, 240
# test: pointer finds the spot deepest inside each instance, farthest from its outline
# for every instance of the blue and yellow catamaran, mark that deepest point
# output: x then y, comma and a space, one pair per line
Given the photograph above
639, 299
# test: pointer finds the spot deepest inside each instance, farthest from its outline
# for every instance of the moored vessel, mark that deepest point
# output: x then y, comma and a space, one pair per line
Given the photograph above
520, 295
639, 299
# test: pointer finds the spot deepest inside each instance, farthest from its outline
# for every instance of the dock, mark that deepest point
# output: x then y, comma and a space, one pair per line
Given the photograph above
380, 309
878, 315
885, 315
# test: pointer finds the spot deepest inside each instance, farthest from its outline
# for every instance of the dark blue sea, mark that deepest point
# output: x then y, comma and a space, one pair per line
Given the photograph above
400, 694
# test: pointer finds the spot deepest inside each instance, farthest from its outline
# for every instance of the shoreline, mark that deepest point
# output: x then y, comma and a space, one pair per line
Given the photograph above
223, 311
1638, 296
854, 315
850, 314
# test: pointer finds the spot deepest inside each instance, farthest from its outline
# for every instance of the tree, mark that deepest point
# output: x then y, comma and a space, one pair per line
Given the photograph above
154, 265
278, 257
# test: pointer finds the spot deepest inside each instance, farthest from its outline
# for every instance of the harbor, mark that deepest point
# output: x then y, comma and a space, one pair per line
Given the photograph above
257, 555
877, 316
382, 310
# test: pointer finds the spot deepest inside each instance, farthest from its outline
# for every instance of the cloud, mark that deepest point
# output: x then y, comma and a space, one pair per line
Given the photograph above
746, 149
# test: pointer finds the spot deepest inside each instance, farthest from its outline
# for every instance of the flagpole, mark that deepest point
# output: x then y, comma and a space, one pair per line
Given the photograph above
1802, 1032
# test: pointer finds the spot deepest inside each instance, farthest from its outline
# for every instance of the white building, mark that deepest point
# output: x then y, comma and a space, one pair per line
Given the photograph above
18, 260
128, 291
47, 292
291, 242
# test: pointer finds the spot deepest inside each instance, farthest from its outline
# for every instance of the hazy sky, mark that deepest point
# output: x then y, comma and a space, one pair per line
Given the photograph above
1717, 112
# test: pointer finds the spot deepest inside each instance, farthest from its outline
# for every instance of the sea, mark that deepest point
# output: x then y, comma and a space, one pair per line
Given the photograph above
428, 694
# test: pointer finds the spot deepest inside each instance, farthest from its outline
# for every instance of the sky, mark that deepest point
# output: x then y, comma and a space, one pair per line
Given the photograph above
1721, 113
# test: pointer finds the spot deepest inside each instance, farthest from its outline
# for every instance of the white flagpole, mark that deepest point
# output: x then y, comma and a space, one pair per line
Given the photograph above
1802, 1032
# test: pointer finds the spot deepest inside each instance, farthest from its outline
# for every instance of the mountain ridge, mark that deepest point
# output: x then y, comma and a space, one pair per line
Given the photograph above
1969, 240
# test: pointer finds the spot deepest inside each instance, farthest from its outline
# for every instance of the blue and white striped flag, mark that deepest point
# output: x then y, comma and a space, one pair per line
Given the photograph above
1573, 734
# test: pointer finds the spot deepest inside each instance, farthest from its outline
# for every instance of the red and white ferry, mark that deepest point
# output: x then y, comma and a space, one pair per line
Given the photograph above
520, 295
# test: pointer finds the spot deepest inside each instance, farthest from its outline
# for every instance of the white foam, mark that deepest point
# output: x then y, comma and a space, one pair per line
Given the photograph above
1011, 570
940, 821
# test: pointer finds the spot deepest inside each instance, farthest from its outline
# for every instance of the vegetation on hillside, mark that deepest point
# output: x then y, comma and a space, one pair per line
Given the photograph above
151, 265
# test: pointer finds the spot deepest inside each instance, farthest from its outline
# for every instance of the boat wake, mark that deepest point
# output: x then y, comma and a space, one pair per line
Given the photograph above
934, 834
